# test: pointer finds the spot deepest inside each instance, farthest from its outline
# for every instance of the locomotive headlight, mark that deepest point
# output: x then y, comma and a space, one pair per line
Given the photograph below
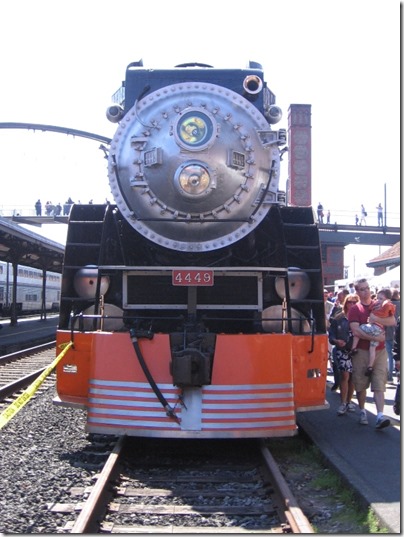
195, 130
194, 179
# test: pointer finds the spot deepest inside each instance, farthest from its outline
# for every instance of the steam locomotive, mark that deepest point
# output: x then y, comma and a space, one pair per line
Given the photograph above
194, 303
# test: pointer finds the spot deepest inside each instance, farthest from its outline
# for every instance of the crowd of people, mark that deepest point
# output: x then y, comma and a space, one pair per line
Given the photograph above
321, 215
359, 221
53, 210
364, 346
50, 209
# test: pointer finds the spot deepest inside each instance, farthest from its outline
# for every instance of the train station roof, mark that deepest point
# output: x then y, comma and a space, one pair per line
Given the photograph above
390, 257
19, 245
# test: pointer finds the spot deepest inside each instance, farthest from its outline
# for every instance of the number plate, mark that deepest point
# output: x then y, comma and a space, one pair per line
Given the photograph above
192, 277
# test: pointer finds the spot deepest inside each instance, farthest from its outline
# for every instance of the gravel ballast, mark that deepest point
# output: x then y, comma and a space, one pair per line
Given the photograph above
39, 464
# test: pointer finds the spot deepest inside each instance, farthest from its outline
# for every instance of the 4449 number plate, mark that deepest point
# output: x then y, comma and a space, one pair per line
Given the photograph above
192, 277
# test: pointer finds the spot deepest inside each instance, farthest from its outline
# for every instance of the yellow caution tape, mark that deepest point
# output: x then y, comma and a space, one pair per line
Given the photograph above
26, 395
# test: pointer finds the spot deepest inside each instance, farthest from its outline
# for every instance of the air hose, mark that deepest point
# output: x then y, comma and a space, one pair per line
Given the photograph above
169, 410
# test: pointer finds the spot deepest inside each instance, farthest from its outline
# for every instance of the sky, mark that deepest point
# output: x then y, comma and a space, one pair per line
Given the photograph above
62, 61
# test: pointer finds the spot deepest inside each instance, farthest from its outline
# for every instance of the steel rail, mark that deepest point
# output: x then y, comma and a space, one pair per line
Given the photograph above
87, 520
19, 384
298, 522
13, 356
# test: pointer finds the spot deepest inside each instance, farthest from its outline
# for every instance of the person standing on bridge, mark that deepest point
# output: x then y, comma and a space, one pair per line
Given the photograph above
359, 314
379, 215
320, 212
49, 208
38, 208
363, 216
67, 206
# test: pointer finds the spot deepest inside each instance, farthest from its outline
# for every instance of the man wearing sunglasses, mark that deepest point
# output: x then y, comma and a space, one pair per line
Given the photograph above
360, 313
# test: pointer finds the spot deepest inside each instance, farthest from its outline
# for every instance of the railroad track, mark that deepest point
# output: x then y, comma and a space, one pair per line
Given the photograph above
19, 369
160, 485
164, 486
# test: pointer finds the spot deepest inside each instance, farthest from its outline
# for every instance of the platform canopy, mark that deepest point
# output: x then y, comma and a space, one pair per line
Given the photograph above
19, 245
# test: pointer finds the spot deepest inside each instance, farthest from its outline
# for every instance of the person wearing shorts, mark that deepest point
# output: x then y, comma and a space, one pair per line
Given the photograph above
340, 336
381, 307
358, 314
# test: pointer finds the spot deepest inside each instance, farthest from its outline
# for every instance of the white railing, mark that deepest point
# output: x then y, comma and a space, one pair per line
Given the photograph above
338, 216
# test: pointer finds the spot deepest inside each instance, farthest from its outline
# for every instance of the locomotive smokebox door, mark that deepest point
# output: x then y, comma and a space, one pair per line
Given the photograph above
190, 367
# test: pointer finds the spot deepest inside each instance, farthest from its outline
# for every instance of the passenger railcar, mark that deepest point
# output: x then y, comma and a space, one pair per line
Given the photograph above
29, 289
195, 302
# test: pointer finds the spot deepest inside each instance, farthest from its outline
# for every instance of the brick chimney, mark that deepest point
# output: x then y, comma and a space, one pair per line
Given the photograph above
299, 142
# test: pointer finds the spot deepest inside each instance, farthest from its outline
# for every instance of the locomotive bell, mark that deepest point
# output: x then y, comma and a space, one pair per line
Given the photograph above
274, 319
85, 282
299, 284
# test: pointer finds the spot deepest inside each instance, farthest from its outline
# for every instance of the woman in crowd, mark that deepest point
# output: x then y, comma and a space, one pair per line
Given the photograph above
339, 335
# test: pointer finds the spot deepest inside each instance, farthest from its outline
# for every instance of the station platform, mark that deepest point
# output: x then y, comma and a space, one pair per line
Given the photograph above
368, 459
27, 332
